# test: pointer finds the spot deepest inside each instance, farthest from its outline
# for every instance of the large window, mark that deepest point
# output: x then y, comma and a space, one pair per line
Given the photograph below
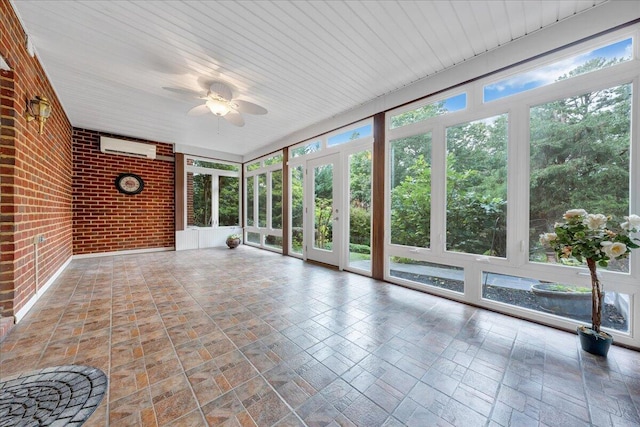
262, 200
263, 193
477, 187
469, 192
213, 194
579, 158
360, 209
250, 201
228, 192
200, 201
297, 209
411, 191
276, 199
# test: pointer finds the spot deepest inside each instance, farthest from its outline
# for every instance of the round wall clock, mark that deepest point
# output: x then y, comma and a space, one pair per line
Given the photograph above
129, 183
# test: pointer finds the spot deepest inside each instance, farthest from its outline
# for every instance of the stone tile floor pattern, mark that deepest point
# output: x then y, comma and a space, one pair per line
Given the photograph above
247, 337
60, 395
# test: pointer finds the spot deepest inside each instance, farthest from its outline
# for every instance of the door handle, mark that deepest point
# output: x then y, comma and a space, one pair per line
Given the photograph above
335, 219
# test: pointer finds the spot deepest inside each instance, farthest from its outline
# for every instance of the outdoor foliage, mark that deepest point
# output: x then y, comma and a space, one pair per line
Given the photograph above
579, 156
476, 188
201, 200
229, 193
411, 191
228, 196
297, 205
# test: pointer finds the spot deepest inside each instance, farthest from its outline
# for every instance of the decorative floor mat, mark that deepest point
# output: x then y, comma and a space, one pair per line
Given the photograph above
60, 395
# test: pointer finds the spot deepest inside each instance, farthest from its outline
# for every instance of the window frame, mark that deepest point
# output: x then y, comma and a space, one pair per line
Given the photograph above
215, 193
517, 107
253, 175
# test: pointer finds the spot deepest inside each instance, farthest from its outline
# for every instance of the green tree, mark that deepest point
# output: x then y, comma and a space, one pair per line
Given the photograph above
419, 114
202, 216
262, 200
297, 208
360, 194
579, 155
411, 206
229, 193
476, 188
276, 199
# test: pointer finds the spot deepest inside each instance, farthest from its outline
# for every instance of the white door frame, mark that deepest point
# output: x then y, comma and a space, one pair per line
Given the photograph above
333, 256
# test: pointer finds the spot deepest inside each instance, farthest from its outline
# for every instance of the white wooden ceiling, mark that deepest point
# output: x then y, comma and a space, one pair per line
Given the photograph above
304, 61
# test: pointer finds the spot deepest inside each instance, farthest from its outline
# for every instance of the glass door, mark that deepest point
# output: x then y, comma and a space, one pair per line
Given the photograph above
359, 172
323, 210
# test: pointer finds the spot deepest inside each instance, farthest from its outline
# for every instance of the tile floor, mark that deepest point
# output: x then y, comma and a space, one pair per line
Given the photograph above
248, 337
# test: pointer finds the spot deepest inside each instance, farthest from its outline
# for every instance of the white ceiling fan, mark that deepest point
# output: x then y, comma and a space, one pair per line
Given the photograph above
219, 101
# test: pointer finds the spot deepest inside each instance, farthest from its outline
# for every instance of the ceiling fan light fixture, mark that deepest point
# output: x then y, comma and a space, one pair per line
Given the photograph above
219, 108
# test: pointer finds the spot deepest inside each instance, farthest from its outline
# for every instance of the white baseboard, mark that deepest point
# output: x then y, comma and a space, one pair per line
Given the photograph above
129, 252
25, 309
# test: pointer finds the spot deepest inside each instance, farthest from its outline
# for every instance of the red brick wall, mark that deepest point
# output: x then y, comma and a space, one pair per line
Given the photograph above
35, 174
105, 220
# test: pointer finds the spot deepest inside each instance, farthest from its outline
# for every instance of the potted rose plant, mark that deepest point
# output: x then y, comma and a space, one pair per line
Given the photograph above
587, 237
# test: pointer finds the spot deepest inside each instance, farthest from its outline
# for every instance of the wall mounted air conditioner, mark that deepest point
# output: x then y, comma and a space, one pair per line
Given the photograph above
127, 148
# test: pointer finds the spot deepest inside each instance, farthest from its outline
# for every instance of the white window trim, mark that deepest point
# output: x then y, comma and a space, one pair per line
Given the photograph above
518, 106
215, 173
263, 232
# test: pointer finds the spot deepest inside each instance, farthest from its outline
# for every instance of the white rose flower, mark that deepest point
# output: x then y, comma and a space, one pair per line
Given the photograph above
632, 223
614, 250
595, 221
547, 238
572, 213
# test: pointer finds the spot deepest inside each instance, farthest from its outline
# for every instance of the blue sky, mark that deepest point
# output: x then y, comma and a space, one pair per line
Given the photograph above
365, 130
550, 73
535, 78
455, 103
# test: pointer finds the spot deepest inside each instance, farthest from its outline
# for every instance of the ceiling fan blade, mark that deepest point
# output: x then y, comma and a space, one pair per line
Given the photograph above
249, 107
222, 90
185, 92
234, 118
198, 110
